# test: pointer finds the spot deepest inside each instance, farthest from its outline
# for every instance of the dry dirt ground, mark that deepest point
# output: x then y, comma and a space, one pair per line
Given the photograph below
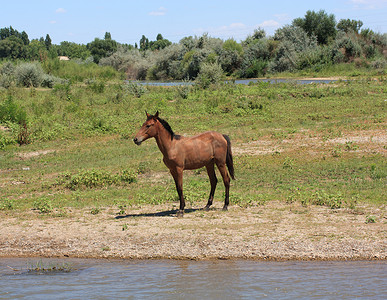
275, 231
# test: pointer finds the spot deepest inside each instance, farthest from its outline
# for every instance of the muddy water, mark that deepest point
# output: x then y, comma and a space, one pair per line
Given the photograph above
167, 279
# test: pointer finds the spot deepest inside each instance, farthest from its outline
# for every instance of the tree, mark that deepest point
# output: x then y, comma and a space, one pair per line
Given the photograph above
231, 56
101, 48
108, 36
37, 50
320, 24
160, 43
144, 43
24, 38
47, 42
347, 25
159, 37
8, 32
12, 47
73, 50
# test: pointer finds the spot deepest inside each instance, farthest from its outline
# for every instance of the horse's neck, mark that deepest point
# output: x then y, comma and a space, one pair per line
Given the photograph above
164, 140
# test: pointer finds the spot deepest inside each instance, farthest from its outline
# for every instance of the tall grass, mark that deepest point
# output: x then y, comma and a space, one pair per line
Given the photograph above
79, 71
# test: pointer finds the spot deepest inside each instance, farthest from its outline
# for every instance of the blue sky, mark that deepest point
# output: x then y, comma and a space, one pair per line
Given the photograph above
81, 21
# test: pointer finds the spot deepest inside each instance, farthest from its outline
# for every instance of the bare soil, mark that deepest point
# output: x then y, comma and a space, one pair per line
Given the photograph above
362, 141
275, 231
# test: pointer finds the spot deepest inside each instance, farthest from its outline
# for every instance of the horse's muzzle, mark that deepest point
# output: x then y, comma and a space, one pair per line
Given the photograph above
137, 141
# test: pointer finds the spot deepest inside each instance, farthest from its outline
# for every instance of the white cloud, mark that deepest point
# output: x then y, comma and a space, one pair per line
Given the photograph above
53, 22
369, 4
160, 12
61, 10
235, 30
283, 17
269, 23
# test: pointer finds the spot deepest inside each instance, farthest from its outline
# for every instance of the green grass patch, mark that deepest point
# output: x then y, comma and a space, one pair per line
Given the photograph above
81, 152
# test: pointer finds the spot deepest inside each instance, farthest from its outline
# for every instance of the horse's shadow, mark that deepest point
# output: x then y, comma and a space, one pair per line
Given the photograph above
167, 213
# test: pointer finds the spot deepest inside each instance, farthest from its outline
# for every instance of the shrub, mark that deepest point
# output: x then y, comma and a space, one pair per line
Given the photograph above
333, 201
315, 58
135, 89
11, 112
7, 68
345, 48
5, 141
293, 41
96, 179
50, 81
43, 205
210, 73
254, 68
97, 87
29, 75
23, 136
6, 81
183, 89
379, 64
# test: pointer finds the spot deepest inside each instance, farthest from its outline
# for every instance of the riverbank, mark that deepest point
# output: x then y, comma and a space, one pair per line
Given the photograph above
274, 231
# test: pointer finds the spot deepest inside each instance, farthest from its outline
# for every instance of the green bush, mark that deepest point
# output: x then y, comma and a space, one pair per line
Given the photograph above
6, 81
11, 112
29, 75
97, 87
183, 89
345, 48
210, 73
5, 141
43, 205
7, 68
135, 89
96, 179
379, 64
293, 41
50, 81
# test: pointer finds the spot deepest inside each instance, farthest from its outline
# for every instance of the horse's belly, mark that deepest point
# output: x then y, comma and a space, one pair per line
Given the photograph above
197, 158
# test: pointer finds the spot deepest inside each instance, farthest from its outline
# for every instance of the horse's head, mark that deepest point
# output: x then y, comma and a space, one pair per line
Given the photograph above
147, 130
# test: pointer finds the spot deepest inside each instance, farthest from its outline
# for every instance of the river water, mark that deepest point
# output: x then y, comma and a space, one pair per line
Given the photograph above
242, 81
169, 279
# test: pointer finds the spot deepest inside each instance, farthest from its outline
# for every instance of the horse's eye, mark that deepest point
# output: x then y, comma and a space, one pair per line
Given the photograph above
147, 126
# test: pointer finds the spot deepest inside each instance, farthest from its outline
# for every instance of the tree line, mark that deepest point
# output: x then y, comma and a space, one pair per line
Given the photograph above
311, 42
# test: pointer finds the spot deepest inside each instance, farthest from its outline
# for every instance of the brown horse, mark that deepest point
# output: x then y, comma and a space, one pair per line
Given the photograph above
188, 153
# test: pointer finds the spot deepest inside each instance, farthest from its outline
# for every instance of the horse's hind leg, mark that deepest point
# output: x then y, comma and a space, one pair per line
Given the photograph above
226, 180
213, 180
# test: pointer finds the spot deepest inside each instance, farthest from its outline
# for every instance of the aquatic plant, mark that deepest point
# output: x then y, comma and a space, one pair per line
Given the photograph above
41, 267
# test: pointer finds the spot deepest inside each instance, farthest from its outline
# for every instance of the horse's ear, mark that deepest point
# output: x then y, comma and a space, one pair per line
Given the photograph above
147, 115
156, 114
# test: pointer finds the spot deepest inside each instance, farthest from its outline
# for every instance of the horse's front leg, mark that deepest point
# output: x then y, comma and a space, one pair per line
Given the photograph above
177, 174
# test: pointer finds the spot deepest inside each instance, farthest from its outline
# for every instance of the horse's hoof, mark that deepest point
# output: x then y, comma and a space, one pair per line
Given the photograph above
225, 208
180, 213
206, 208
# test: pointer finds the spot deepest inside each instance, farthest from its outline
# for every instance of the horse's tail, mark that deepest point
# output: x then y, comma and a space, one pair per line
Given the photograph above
229, 161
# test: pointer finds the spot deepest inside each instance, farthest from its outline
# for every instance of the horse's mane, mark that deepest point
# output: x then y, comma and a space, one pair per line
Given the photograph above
169, 129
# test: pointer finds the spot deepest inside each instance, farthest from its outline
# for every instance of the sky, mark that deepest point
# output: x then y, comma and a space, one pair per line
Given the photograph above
81, 21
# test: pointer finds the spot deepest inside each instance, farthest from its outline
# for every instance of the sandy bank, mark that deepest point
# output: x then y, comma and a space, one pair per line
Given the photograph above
275, 231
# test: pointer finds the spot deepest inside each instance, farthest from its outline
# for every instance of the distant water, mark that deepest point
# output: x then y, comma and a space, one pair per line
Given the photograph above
242, 81
169, 279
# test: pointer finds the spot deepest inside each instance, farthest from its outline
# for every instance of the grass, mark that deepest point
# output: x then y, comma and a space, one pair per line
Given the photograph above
41, 267
81, 153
